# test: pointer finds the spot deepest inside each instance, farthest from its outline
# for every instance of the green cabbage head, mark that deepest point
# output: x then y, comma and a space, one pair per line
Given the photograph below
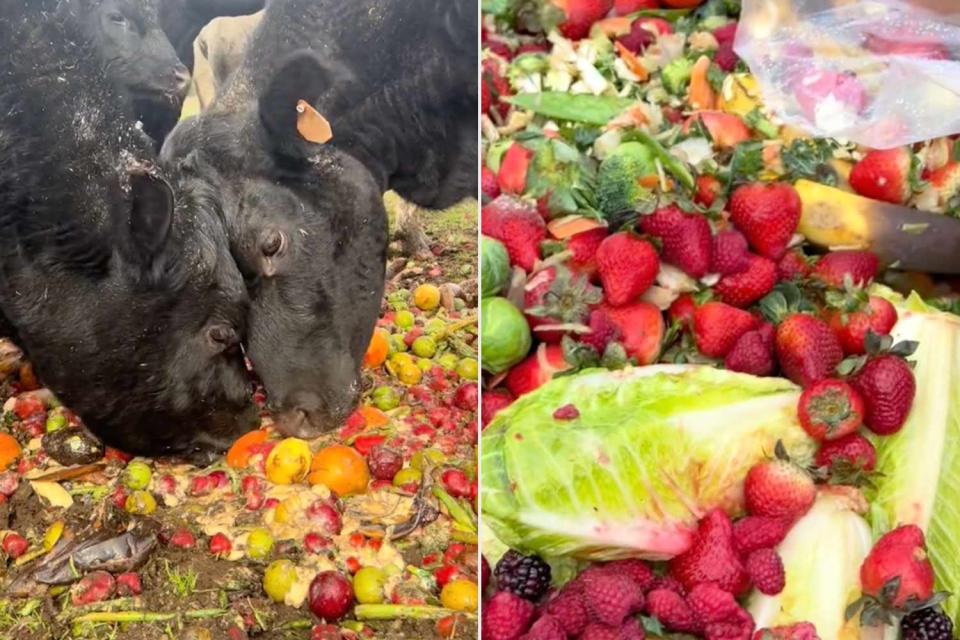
653, 449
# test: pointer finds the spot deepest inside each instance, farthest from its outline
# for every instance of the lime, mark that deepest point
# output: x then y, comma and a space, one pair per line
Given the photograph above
403, 319
368, 585
278, 578
425, 347
385, 398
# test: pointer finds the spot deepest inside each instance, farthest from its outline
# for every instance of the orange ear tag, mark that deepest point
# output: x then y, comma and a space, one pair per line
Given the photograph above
312, 126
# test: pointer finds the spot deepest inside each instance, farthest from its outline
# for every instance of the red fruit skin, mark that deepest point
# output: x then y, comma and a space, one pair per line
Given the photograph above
637, 570
798, 631
489, 186
628, 265
744, 288
538, 369
726, 129
807, 349
492, 403
583, 250
466, 396
506, 617
546, 628
685, 238
731, 253
708, 188
711, 558
568, 608
602, 331
639, 38
759, 532
641, 330
830, 409
717, 327
767, 215
580, 16
753, 352
128, 584
456, 483
14, 545
854, 449
898, 554
93, 587
330, 596
833, 268
512, 177
536, 290
851, 328
765, 569
793, 266
883, 175
778, 489
682, 310
610, 598
712, 604
626, 7
494, 87
220, 544
887, 386
518, 226
182, 539
672, 611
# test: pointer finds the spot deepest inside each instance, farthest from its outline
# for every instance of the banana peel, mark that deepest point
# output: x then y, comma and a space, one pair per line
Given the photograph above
901, 237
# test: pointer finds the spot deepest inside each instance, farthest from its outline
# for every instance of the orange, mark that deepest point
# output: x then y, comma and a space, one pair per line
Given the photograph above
238, 457
377, 350
373, 417
9, 450
341, 469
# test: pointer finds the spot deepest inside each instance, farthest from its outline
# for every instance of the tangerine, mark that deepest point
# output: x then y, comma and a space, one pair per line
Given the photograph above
341, 469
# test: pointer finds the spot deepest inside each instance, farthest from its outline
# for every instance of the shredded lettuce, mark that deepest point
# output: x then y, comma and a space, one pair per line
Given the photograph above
653, 449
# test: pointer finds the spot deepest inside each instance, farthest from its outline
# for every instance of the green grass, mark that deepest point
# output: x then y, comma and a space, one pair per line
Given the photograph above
183, 583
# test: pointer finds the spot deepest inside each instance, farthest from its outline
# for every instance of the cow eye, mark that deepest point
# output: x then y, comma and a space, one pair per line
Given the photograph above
273, 243
117, 18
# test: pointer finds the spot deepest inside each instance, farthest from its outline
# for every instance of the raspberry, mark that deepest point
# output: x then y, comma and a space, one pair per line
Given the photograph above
672, 611
610, 598
631, 630
546, 628
526, 576
597, 631
711, 604
765, 569
759, 532
636, 570
668, 583
927, 624
798, 631
570, 611
506, 617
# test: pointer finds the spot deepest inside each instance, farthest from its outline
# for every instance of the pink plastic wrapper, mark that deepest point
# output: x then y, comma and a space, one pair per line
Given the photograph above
882, 73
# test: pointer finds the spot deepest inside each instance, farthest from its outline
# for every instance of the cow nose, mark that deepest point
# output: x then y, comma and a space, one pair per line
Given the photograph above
181, 79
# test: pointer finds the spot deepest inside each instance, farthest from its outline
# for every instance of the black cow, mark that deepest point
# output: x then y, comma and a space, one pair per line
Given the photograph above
182, 20
397, 81
115, 273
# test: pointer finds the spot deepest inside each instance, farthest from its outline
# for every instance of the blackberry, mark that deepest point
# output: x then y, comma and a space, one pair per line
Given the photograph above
927, 624
525, 576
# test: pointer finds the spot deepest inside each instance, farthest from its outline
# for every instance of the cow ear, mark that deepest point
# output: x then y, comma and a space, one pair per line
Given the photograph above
300, 76
151, 214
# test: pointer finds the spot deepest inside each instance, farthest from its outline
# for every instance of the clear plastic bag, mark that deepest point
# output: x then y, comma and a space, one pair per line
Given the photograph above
881, 73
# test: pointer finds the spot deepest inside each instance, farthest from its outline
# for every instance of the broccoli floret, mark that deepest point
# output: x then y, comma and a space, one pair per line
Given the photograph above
676, 75
618, 189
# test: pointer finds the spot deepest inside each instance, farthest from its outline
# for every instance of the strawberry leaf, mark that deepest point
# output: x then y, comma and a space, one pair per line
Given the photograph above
904, 348
849, 366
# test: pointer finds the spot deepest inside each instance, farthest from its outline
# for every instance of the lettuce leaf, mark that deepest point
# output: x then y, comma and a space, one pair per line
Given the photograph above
920, 465
653, 448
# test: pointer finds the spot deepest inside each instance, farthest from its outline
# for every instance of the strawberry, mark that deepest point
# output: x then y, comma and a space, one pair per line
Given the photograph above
583, 250
765, 569
807, 349
579, 16
946, 182
641, 329
793, 266
708, 188
759, 532
538, 369
569, 610
685, 237
767, 215
726, 34
492, 402
830, 409
602, 331
628, 266
711, 557
888, 175
887, 386
545, 628
877, 316
725, 57
778, 488
726, 129
897, 570
835, 267
611, 597
753, 352
555, 301
853, 451
512, 177
672, 611
641, 36
626, 7
506, 616
488, 184
717, 327
518, 226
730, 253
682, 309
796, 631
744, 288
494, 87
